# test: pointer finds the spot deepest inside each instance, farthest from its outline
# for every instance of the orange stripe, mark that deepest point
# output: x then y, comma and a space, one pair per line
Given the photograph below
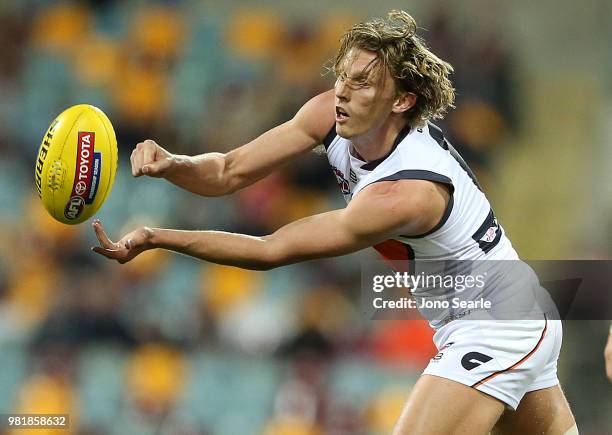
515, 365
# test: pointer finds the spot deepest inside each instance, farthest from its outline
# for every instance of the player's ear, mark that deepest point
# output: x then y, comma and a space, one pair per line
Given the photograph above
404, 102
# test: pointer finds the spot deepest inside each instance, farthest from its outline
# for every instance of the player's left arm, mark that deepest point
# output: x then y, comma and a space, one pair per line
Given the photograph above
379, 212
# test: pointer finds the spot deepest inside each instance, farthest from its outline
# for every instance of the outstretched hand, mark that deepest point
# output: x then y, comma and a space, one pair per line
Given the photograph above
127, 248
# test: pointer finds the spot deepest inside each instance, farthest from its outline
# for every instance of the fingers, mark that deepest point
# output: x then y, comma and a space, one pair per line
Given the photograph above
105, 242
125, 249
108, 253
148, 151
136, 160
111, 254
143, 154
133, 162
155, 168
150, 159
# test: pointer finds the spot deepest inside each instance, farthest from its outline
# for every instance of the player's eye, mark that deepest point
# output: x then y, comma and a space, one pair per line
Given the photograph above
353, 82
359, 83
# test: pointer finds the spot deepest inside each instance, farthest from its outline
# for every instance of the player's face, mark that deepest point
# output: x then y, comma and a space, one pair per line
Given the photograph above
365, 94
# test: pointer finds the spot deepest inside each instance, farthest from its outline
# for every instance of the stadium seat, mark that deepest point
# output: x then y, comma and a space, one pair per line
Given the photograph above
223, 286
254, 34
155, 376
11, 193
101, 380
171, 300
225, 387
96, 61
158, 31
47, 90
59, 27
13, 360
141, 95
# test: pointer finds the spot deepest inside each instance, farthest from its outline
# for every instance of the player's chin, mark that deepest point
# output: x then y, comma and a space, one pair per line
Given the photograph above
344, 131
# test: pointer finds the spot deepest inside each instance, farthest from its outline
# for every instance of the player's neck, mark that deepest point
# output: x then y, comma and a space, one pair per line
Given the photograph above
379, 142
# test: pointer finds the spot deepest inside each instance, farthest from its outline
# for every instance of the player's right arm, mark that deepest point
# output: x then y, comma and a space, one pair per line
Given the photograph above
216, 174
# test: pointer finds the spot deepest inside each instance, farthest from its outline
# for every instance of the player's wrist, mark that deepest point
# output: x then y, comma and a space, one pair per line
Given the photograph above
173, 166
162, 238
152, 236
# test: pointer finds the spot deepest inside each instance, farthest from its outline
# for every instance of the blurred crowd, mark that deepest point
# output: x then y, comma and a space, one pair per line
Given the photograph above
166, 344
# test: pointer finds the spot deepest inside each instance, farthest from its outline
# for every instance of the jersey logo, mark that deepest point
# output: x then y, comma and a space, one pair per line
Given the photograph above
472, 360
489, 234
352, 176
440, 354
342, 181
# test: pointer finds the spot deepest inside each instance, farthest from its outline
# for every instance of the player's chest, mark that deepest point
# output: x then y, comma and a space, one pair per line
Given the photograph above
348, 172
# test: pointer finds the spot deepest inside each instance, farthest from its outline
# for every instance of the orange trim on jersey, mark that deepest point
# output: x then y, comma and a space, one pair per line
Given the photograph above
521, 361
396, 254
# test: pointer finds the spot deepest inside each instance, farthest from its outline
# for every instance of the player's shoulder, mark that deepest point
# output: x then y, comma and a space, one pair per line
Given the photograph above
317, 116
410, 194
425, 134
411, 207
424, 147
323, 101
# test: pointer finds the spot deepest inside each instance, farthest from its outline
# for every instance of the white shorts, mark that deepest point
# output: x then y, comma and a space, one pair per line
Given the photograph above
502, 358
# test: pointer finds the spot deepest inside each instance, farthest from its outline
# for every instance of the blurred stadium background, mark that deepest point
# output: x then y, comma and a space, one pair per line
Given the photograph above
169, 345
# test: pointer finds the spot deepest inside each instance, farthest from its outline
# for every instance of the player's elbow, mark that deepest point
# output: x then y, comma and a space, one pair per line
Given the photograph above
234, 176
217, 175
274, 254
232, 184
265, 263
258, 266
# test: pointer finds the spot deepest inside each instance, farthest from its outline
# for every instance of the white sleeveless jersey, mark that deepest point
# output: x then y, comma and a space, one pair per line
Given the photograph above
468, 229
483, 351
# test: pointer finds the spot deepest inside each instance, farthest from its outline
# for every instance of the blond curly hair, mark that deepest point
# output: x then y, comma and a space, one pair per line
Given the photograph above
412, 66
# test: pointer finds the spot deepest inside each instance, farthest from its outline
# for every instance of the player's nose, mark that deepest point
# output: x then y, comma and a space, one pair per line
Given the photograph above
341, 90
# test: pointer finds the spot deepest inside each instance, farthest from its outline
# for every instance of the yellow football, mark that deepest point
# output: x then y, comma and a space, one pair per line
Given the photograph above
76, 164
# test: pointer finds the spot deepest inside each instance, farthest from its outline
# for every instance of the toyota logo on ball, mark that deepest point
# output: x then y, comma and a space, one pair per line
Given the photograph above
80, 188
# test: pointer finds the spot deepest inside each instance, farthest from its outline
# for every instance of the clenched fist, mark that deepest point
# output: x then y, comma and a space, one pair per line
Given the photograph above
150, 159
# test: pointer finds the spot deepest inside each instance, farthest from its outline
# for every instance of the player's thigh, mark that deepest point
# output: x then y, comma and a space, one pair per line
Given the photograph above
542, 412
439, 406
